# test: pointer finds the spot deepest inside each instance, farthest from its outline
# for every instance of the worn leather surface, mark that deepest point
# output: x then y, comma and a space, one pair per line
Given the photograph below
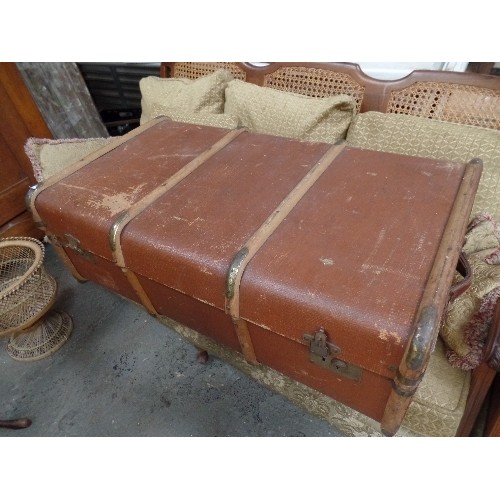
412, 135
86, 203
204, 221
369, 226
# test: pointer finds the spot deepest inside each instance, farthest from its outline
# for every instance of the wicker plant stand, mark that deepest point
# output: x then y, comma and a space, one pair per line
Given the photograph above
27, 292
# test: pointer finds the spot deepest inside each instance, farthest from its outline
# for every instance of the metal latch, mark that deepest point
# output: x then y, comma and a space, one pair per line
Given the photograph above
74, 244
323, 353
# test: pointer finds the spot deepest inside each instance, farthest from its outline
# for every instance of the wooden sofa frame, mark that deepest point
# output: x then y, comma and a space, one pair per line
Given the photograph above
465, 98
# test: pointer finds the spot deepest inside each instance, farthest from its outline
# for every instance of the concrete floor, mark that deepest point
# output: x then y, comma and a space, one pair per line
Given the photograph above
123, 373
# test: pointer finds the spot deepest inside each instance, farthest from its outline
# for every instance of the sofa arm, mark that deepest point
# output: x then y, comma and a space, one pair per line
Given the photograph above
492, 348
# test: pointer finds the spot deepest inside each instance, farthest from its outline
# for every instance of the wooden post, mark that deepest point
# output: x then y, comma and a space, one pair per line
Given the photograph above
63, 99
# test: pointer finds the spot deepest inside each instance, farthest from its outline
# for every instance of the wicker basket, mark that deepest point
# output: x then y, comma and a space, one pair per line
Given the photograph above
26, 290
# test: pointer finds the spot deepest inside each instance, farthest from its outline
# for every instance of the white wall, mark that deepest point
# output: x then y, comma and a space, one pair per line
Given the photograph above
394, 70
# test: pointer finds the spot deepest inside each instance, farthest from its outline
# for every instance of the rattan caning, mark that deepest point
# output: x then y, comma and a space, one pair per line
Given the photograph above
27, 291
315, 82
44, 338
194, 70
450, 102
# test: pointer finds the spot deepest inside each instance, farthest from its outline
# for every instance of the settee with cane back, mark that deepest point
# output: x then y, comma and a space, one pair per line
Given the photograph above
435, 114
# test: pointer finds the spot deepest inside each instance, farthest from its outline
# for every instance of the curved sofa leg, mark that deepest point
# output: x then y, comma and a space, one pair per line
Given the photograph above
201, 356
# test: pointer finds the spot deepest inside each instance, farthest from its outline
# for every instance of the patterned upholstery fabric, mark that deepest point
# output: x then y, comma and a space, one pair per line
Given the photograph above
439, 403
436, 409
468, 318
270, 111
417, 136
205, 94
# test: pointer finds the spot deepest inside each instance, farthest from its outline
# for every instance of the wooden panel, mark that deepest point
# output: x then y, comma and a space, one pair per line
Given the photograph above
14, 131
10, 172
12, 200
20, 96
20, 120
22, 225
493, 419
482, 378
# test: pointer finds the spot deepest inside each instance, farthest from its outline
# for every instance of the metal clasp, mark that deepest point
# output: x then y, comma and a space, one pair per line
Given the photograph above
323, 353
319, 344
73, 244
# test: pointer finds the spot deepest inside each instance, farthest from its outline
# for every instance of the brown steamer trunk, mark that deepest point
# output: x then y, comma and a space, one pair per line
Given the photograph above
328, 263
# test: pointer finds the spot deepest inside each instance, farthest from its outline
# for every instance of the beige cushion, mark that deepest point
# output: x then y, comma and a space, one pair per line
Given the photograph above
48, 156
439, 403
205, 94
417, 136
270, 111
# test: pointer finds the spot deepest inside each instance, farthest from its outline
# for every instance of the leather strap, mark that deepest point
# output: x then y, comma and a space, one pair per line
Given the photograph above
463, 267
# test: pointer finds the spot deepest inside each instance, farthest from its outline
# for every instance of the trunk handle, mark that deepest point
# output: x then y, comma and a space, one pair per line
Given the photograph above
464, 269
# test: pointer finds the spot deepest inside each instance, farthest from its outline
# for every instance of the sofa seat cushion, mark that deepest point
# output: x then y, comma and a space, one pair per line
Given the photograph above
205, 94
285, 114
436, 410
439, 403
415, 136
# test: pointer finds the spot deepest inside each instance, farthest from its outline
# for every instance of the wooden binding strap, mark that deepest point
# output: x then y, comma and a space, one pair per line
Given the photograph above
34, 191
85, 161
255, 242
124, 217
432, 304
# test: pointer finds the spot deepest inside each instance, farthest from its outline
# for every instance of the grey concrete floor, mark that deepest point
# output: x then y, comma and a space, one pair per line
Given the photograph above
123, 373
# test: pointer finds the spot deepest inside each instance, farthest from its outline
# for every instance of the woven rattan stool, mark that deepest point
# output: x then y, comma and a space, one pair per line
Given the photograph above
42, 339
27, 292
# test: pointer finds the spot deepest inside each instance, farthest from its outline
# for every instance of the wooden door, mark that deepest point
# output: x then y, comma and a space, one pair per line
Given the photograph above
20, 119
